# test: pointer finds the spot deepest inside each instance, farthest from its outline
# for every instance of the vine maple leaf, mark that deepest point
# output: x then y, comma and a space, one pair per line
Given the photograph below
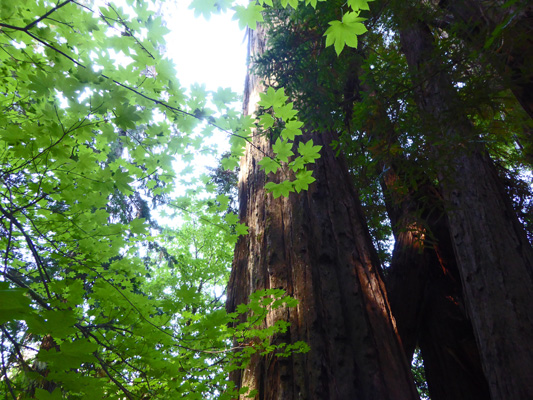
345, 32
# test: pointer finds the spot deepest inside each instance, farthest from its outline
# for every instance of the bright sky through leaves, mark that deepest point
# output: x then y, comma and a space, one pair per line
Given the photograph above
211, 52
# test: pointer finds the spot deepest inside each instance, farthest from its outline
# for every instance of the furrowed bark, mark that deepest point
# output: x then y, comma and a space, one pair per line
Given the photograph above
316, 246
423, 281
492, 251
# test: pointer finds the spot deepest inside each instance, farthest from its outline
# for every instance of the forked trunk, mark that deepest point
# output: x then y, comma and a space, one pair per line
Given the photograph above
494, 257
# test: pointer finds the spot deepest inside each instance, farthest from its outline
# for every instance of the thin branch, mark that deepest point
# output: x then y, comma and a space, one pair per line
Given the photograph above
8, 247
38, 299
6, 378
45, 43
103, 364
53, 10
16, 346
151, 99
40, 266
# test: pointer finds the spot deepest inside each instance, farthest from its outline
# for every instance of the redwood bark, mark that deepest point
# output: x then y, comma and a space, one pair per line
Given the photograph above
316, 246
423, 281
427, 300
492, 251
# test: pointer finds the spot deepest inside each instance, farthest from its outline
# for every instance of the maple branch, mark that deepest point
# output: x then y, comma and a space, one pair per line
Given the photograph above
53, 10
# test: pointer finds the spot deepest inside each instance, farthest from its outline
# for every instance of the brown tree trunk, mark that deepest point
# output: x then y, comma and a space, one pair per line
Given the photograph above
493, 254
316, 246
426, 297
423, 281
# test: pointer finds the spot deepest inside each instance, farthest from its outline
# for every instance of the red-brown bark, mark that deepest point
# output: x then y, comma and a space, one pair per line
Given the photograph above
426, 296
423, 281
316, 246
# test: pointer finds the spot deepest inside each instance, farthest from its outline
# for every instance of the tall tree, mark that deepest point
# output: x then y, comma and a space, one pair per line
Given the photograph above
494, 257
425, 289
316, 246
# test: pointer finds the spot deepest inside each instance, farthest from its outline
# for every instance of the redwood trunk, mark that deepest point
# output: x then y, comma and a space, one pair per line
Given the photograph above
492, 251
423, 281
427, 300
316, 246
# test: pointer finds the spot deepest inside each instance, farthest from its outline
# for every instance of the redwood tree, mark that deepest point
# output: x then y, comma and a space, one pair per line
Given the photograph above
461, 269
494, 257
316, 246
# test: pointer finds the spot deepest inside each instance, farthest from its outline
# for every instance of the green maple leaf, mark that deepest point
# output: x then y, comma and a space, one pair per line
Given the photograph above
285, 112
14, 303
345, 32
269, 165
266, 121
308, 151
280, 189
357, 5
248, 16
303, 180
297, 164
292, 3
42, 394
222, 97
223, 5
230, 163
283, 150
241, 229
222, 199
203, 7
292, 129
272, 98
231, 218
313, 3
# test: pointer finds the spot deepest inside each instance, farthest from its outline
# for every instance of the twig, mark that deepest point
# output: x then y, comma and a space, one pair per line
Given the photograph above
53, 10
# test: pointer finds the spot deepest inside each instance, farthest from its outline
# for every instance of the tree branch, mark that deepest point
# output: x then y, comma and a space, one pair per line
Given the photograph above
53, 10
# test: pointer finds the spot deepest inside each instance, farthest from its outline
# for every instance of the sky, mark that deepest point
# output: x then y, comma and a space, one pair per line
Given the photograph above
211, 52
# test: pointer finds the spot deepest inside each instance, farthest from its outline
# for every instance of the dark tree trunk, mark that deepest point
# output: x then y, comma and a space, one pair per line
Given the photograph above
316, 246
426, 296
423, 281
493, 254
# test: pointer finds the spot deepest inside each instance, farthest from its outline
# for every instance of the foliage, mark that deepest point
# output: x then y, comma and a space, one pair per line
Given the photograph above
96, 299
419, 374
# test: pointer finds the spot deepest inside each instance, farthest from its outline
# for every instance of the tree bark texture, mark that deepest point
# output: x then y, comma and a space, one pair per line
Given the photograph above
423, 282
426, 296
316, 246
493, 254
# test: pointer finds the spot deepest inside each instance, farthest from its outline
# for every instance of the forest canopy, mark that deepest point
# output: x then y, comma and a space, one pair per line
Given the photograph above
426, 102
